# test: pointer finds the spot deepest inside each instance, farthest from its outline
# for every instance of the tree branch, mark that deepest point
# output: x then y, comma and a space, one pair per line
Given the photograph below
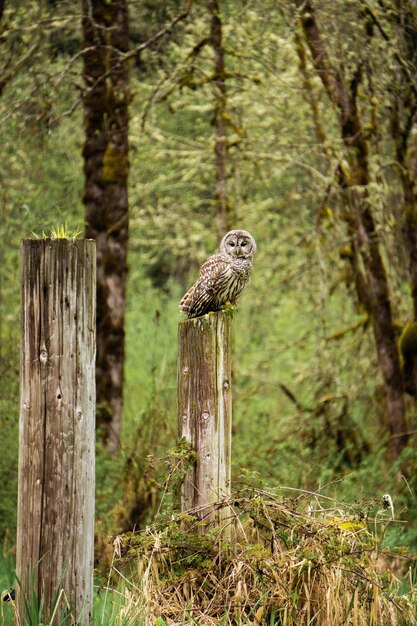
331, 78
409, 76
164, 31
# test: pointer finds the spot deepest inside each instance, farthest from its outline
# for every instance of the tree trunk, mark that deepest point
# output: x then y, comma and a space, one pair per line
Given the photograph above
220, 142
361, 225
309, 91
106, 169
403, 117
406, 154
409, 184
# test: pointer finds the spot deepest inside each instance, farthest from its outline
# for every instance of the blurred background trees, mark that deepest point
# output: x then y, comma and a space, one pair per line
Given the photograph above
295, 121
354, 178
106, 169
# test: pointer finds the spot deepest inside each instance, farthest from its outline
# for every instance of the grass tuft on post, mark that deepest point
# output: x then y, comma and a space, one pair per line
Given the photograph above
205, 411
55, 536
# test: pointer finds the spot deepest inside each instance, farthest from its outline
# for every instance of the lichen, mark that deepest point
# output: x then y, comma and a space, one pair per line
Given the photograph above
115, 164
229, 309
346, 252
202, 321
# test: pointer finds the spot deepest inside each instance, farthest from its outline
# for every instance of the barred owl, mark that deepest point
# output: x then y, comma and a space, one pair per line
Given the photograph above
223, 276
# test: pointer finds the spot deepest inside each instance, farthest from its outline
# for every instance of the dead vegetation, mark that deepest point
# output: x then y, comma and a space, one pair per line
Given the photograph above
276, 561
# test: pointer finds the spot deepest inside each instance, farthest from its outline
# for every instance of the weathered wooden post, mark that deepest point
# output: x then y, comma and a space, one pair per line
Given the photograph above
205, 410
55, 535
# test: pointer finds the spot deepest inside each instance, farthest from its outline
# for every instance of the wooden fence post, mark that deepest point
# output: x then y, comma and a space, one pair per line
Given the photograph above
205, 410
55, 535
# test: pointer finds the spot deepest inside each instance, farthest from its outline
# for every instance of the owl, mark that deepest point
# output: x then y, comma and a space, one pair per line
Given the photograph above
223, 276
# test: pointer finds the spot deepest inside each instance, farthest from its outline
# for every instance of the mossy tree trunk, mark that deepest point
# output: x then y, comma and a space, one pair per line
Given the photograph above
106, 168
403, 117
371, 281
407, 160
221, 196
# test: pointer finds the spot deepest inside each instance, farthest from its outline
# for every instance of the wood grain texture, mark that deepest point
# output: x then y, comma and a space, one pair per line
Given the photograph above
205, 410
55, 538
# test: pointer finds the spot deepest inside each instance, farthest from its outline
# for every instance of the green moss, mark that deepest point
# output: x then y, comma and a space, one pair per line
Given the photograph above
346, 252
115, 165
229, 309
408, 339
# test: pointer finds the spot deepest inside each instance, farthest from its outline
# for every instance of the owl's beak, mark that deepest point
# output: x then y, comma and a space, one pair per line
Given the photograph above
238, 251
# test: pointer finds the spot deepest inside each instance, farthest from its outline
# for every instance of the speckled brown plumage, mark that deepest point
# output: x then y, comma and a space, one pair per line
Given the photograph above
223, 276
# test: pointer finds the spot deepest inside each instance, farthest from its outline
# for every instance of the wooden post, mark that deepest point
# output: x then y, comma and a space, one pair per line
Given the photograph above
55, 535
205, 410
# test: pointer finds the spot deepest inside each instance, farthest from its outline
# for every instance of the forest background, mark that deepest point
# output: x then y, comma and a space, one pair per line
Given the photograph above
295, 121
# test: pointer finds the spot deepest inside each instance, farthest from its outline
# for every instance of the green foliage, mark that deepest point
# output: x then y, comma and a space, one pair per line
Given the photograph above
307, 411
60, 232
112, 606
7, 583
39, 191
9, 402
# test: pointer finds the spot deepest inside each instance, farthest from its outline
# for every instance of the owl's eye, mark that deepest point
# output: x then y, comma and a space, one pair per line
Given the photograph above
231, 244
243, 244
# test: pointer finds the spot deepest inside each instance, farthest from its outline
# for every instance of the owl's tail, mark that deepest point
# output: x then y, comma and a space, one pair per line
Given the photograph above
184, 305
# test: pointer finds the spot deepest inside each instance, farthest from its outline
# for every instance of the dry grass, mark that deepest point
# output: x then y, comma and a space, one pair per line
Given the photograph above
271, 563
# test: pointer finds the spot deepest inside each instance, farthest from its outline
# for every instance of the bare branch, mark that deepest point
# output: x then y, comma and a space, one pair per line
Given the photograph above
7, 77
164, 31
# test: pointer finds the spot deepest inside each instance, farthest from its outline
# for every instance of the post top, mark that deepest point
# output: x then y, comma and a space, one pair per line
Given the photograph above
55, 239
207, 318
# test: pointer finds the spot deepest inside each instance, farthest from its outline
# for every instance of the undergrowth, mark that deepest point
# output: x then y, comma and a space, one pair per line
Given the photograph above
276, 561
